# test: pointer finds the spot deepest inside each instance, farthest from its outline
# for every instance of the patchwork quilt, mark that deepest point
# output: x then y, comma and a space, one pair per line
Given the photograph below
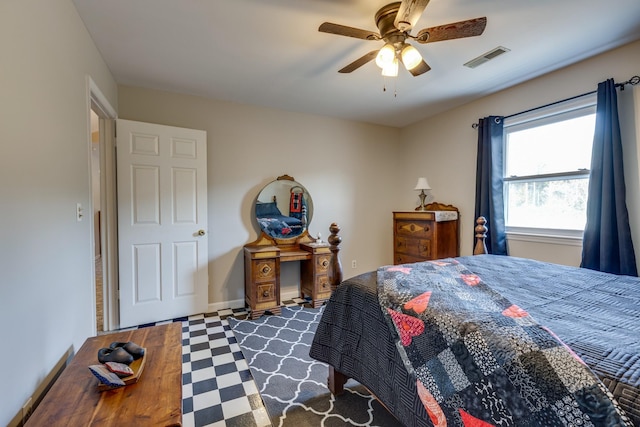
479, 360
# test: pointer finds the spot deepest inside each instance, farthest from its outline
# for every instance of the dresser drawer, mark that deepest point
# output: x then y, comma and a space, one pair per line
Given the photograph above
420, 248
405, 259
417, 229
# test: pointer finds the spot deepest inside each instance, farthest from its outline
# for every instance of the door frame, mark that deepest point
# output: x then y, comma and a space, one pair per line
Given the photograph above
99, 103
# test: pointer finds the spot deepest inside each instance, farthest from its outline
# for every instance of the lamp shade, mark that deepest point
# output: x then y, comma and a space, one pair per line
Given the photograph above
422, 184
391, 70
411, 58
385, 56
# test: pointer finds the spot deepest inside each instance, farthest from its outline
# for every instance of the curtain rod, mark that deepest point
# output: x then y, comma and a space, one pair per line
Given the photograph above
632, 81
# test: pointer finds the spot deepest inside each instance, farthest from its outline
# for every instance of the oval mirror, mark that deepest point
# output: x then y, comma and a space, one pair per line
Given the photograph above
284, 208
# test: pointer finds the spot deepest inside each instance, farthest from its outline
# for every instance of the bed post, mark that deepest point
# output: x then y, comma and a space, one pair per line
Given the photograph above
336, 267
336, 381
481, 235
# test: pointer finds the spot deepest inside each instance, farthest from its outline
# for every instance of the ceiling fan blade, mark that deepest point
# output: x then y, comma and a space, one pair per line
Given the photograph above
343, 30
359, 62
421, 68
409, 13
455, 30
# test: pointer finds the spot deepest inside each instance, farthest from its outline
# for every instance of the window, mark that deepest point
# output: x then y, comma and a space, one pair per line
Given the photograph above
547, 161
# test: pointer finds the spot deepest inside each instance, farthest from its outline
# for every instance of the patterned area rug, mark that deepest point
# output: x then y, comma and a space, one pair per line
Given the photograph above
291, 384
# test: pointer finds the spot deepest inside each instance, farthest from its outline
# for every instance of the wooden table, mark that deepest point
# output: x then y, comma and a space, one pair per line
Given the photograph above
155, 400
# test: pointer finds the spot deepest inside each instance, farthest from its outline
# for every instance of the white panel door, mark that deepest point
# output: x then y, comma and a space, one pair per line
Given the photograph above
162, 222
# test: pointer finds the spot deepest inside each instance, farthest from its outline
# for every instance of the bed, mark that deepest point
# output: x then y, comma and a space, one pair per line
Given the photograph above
577, 316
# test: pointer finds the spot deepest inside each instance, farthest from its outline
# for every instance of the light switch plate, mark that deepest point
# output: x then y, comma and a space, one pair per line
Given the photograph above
79, 212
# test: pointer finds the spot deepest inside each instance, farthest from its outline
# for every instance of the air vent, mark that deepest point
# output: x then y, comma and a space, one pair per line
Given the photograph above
485, 57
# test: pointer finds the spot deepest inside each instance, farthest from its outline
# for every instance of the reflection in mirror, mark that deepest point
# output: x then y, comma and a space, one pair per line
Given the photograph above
284, 208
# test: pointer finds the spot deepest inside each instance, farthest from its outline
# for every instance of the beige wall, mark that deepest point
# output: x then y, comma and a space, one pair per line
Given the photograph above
349, 169
46, 289
443, 147
355, 171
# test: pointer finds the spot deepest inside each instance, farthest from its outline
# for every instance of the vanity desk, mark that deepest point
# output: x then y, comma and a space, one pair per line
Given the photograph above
283, 239
262, 260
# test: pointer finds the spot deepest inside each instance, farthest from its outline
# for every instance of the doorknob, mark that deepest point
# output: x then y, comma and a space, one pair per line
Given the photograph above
201, 232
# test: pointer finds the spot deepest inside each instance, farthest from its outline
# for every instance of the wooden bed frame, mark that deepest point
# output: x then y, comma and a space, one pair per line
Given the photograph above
337, 379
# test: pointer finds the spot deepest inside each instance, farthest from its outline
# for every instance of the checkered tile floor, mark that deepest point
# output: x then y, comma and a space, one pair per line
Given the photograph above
217, 387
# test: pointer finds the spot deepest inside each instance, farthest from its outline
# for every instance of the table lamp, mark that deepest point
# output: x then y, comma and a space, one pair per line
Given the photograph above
422, 185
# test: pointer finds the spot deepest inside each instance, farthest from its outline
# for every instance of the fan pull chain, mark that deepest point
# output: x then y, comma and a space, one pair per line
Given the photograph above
395, 86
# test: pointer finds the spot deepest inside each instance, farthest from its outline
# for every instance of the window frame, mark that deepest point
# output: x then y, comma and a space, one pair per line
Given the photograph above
564, 110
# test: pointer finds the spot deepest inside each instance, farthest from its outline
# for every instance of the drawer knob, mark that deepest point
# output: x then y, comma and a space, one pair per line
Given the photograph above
265, 294
325, 263
266, 269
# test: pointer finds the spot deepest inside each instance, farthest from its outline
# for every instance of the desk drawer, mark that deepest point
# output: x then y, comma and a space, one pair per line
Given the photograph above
323, 286
323, 263
266, 293
263, 270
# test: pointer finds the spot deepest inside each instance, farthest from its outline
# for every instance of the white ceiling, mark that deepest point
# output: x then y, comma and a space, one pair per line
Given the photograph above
270, 53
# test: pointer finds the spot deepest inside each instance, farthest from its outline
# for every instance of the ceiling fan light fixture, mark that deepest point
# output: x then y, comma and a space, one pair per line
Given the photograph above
391, 70
386, 56
394, 22
411, 58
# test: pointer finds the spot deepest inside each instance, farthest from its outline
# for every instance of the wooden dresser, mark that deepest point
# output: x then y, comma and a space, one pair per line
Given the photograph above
426, 235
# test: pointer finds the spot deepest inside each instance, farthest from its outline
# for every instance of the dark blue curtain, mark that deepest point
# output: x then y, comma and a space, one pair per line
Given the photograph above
607, 244
489, 182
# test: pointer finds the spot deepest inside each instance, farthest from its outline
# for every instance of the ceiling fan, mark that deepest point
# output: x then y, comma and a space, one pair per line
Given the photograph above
395, 22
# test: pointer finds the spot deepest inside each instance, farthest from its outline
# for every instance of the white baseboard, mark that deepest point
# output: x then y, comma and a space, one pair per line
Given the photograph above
239, 303
217, 306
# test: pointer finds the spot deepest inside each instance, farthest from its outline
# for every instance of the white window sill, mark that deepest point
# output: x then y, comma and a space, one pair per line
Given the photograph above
541, 237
